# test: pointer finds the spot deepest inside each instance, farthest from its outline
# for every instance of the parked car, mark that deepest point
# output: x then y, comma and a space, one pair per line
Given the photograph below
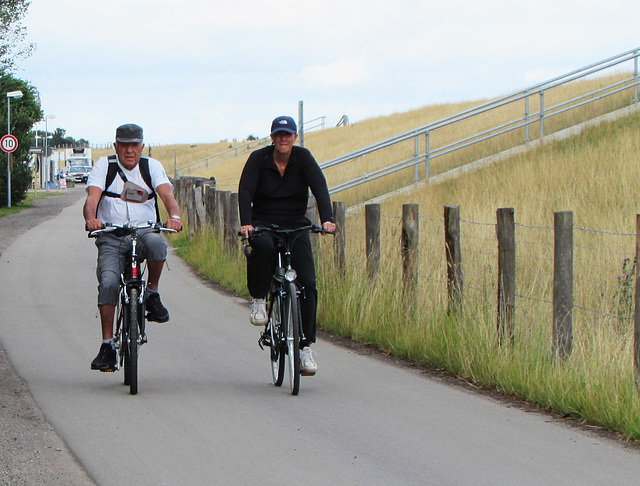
79, 173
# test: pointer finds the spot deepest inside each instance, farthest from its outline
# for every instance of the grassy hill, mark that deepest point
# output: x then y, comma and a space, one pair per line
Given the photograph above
594, 174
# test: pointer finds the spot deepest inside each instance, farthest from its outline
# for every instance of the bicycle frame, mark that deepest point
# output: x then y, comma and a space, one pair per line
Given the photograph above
284, 331
129, 327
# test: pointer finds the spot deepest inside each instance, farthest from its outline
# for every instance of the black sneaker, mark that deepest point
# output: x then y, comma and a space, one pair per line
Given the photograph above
155, 310
106, 359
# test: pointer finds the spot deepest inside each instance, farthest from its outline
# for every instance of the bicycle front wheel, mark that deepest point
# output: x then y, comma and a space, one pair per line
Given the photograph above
277, 353
132, 344
292, 318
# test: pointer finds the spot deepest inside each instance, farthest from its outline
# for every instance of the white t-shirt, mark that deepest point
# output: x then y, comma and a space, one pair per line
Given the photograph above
116, 210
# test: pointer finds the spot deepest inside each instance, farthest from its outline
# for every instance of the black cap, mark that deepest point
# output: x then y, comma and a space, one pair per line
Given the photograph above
129, 133
283, 124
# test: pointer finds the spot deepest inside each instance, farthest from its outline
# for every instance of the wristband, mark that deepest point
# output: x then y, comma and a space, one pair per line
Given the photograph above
175, 217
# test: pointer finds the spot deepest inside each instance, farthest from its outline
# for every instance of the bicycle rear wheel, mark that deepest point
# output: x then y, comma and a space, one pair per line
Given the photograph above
292, 325
132, 342
277, 353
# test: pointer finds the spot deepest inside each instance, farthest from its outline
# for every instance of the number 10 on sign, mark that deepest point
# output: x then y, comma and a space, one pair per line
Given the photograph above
9, 143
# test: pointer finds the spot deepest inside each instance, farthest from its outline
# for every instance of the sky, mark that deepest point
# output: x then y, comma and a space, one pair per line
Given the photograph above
200, 71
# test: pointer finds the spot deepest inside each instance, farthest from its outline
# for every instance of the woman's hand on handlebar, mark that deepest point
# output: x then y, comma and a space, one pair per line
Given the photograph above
246, 230
329, 226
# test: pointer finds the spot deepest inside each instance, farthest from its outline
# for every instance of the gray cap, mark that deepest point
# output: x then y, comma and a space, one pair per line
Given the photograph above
129, 133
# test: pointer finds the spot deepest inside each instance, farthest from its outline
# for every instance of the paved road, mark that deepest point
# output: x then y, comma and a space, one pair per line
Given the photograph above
208, 414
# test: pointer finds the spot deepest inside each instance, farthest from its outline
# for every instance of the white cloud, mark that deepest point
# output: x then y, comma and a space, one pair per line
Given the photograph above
345, 72
204, 70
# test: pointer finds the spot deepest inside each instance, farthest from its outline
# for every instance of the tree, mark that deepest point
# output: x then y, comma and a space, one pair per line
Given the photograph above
25, 112
13, 34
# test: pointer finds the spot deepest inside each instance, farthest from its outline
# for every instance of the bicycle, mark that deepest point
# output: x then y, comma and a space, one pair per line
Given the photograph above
283, 331
130, 307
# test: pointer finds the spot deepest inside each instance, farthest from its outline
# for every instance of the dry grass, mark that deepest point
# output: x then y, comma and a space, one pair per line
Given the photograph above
595, 175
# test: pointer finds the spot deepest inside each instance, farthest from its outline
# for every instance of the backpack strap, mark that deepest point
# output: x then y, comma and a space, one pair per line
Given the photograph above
114, 168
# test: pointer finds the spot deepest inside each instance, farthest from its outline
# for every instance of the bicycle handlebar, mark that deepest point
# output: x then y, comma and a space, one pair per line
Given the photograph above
129, 227
313, 228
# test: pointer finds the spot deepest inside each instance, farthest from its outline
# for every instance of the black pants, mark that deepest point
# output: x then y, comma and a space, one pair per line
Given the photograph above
260, 268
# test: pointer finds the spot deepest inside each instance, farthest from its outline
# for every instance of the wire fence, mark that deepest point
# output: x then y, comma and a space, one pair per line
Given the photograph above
602, 280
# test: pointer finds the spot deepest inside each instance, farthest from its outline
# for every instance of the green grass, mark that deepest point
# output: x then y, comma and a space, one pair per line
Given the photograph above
28, 202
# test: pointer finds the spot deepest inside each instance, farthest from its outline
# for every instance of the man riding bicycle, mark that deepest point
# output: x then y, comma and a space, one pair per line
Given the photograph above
109, 179
274, 189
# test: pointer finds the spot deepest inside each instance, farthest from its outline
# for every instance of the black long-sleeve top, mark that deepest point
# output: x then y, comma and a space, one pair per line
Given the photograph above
266, 197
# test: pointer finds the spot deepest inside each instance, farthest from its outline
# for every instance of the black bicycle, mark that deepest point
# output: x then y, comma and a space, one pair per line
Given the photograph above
130, 308
283, 331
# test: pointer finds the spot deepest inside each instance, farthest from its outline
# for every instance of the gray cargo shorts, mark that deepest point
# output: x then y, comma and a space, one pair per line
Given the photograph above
112, 257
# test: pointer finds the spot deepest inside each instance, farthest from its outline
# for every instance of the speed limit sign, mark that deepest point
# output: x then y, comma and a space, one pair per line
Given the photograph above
9, 143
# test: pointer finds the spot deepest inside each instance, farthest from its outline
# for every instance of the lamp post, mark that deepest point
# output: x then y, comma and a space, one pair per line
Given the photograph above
46, 150
10, 94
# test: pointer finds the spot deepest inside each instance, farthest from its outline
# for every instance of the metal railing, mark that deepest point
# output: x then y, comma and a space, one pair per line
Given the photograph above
424, 153
233, 152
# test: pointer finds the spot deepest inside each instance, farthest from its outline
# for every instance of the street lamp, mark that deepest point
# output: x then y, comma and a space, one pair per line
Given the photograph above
46, 150
10, 94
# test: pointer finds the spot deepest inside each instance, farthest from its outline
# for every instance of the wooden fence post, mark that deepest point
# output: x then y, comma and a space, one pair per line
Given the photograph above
198, 204
563, 284
372, 223
636, 312
340, 238
506, 274
455, 283
191, 212
210, 204
232, 225
219, 213
410, 242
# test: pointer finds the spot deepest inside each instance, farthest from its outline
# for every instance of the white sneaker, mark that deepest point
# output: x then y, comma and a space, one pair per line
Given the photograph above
258, 312
307, 365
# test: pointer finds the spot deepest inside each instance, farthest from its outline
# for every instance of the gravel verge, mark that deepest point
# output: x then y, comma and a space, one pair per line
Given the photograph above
31, 452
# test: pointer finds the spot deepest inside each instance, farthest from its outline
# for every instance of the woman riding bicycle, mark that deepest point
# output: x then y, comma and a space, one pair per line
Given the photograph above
274, 189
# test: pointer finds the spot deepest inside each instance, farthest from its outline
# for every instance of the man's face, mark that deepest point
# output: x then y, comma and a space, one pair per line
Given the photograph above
129, 153
284, 141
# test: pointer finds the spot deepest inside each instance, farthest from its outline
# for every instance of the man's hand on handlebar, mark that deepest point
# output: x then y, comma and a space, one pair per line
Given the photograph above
93, 224
174, 224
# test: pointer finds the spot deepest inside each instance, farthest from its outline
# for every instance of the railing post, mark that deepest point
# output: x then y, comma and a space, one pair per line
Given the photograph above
301, 123
427, 159
372, 223
506, 275
340, 238
563, 284
415, 159
635, 77
526, 117
541, 115
454, 257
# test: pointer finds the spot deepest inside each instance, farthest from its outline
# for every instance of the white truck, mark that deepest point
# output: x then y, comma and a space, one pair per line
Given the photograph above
78, 157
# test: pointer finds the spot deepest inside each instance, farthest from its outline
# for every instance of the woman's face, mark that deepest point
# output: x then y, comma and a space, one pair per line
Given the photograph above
283, 141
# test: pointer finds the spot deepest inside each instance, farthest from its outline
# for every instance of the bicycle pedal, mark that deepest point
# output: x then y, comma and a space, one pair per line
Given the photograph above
110, 370
265, 340
307, 373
